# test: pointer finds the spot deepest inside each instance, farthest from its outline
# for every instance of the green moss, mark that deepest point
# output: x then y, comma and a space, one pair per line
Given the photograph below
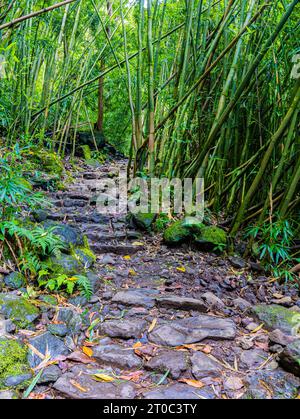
47, 161
18, 310
86, 152
65, 265
214, 235
277, 317
61, 186
85, 256
177, 233
193, 224
161, 223
144, 221
13, 359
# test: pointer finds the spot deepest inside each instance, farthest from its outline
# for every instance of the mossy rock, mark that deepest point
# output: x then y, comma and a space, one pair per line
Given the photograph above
277, 317
15, 280
85, 256
143, 221
49, 299
87, 154
45, 182
211, 238
193, 224
177, 234
13, 360
18, 310
49, 161
70, 236
65, 265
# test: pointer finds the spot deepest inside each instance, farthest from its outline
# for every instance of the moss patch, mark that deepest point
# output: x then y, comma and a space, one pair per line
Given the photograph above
214, 235
277, 317
86, 257
177, 233
18, 309
13, 359
211, 238
144, 221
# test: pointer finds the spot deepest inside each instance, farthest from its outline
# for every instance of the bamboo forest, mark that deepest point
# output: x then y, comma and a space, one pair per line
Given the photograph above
149, 202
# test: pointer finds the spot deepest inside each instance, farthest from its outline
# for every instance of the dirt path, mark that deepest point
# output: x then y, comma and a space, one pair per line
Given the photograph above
163, 323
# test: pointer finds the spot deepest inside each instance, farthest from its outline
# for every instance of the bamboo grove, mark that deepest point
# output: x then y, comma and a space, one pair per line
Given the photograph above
188, 88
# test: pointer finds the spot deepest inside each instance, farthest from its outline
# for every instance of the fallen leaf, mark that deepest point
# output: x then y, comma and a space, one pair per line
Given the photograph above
87, 351
133, 376
80, 357
138, 244
127, 257
132, 272
103, 377
192, 383
206, 349
152, 327
181, 269
78, 386
137, 345
257, 329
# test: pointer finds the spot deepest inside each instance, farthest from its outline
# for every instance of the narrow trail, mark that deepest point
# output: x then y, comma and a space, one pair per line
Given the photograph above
166, 323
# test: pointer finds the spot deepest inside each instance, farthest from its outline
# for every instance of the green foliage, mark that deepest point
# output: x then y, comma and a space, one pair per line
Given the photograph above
66, 283
161, 223
23, 242
13, 359
273, 242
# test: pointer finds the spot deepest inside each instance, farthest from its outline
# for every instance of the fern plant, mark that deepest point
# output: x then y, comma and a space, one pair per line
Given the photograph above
20, 241
28, 246
69, 284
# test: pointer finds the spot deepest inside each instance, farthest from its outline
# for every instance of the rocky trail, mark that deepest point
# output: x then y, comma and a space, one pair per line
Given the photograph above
163, 323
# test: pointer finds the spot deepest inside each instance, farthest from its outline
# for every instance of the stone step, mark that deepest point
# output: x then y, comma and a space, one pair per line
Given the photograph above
120, 249
102, 237
77, 196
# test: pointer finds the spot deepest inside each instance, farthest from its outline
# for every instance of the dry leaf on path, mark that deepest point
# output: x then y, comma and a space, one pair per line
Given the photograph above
87, 351
152, 327
103, 377
192, 383
78, 386
133, 376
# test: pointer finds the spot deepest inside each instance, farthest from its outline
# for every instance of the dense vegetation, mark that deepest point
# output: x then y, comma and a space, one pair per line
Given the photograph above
185, 88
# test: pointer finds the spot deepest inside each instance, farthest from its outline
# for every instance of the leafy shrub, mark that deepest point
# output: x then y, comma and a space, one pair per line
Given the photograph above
24, 242
273, 242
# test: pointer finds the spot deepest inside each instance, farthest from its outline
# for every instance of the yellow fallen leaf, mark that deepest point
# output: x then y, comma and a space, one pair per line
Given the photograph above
152, 327
87, 351
138, 244
132, 272
181, 269
78, 386
137, 345
103, 377
192, 383
257, 329
127, 257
